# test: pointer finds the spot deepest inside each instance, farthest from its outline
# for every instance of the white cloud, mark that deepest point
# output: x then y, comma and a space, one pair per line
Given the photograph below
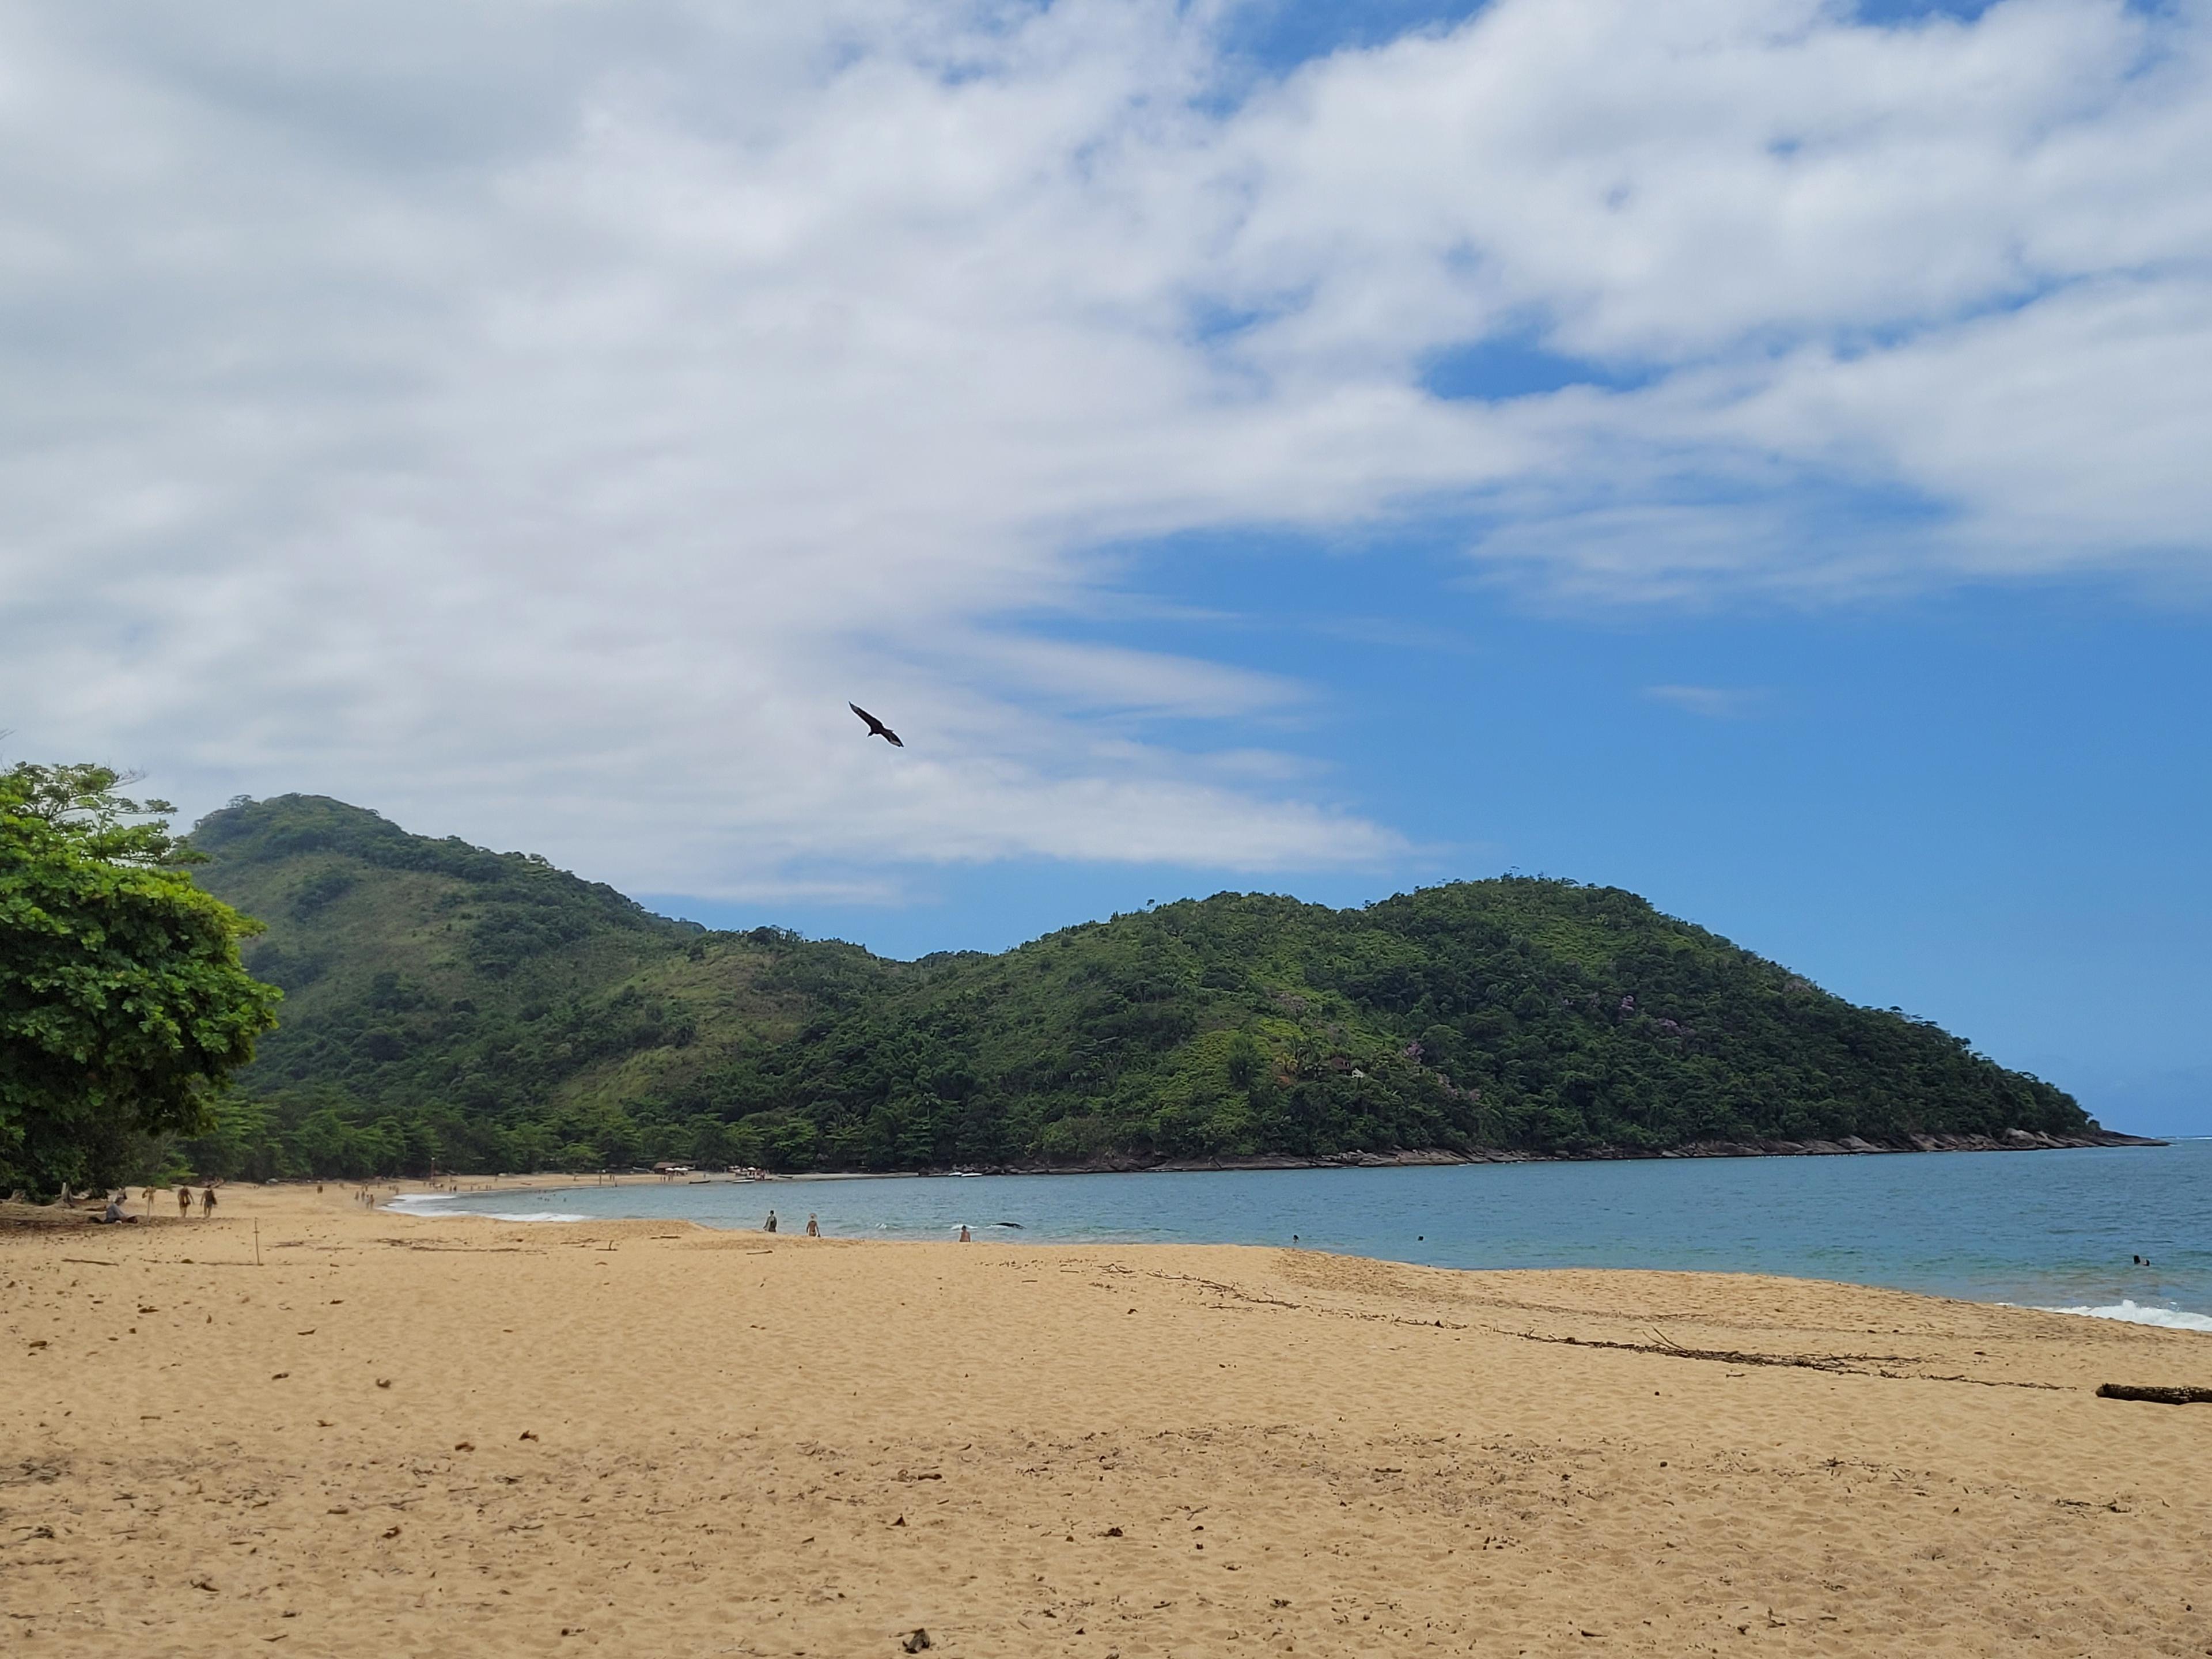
1716, 702
2073, 428
536, 420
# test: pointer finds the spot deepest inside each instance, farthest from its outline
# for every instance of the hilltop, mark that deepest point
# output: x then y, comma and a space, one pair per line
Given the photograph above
450, 1007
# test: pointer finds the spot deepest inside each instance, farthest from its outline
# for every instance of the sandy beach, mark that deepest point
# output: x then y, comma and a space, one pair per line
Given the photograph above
400, 1434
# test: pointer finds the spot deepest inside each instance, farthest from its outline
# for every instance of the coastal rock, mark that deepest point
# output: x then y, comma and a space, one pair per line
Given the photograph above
2011, 1141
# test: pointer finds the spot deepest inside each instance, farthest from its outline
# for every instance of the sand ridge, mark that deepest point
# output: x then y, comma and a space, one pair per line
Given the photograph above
399, 1434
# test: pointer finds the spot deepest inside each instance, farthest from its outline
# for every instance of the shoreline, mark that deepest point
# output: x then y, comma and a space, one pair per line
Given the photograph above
2046, 1274
2013, 1141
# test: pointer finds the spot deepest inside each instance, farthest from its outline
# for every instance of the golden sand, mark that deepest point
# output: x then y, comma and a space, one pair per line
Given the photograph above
400, 1435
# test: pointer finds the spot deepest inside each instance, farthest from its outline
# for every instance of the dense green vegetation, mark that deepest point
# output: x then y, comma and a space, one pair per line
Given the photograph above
123, 1004
453, 1008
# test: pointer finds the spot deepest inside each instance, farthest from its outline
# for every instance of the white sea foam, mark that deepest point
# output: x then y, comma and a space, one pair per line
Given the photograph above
2134, 1313
510, 1215
420, 1205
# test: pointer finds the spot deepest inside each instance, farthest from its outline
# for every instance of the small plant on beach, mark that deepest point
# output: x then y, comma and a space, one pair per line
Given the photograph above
124, 1005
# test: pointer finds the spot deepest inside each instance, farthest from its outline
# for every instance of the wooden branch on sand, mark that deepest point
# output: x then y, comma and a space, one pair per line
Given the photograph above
2157, 1396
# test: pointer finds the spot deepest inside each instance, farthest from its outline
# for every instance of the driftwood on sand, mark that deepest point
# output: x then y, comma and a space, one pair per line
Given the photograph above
2157, 1396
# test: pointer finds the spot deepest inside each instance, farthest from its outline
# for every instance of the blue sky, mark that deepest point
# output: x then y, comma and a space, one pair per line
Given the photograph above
1750, 451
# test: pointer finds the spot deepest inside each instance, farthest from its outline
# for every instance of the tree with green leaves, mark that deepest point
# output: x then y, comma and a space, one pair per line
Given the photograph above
124, 1005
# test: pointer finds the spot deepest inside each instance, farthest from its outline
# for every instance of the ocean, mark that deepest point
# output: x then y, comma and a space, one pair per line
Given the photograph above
2055, 1229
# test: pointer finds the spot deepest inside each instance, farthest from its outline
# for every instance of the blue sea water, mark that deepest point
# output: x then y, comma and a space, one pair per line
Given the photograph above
2052, 1230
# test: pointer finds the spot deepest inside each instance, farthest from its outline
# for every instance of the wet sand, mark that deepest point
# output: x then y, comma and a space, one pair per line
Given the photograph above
400, 1434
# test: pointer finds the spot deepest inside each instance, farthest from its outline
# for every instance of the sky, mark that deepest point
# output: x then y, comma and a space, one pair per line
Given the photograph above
1749, 452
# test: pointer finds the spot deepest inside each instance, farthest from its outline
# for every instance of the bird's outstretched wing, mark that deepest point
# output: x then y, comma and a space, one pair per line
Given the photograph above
875, 727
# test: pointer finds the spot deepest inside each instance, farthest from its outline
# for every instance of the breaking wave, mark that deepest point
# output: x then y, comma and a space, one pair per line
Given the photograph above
426, 1204
2134, 1313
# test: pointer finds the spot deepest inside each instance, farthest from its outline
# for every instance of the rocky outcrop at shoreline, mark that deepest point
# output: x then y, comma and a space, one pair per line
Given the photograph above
2010, 1140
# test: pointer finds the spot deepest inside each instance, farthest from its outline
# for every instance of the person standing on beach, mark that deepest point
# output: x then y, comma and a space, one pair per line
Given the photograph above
768, 1226
813, 1227
963, 1232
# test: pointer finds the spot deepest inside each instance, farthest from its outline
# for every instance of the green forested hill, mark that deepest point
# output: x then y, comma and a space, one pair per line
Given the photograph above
451, 1007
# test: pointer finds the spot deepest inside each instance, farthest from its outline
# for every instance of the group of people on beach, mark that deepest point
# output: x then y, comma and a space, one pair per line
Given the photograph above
814, 1227
114, 1212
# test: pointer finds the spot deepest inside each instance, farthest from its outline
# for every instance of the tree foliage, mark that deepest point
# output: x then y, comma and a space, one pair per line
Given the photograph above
123, 1004
465, 1010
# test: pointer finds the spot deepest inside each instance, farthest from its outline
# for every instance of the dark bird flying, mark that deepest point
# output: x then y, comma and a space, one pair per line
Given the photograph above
875, 727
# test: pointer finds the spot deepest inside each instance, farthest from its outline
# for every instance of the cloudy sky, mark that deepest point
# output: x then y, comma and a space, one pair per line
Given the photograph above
1755, 451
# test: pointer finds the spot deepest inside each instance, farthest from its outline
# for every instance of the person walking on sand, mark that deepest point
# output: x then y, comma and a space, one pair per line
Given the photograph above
207, 1202
768, 1226
813, 1227
184, 1202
